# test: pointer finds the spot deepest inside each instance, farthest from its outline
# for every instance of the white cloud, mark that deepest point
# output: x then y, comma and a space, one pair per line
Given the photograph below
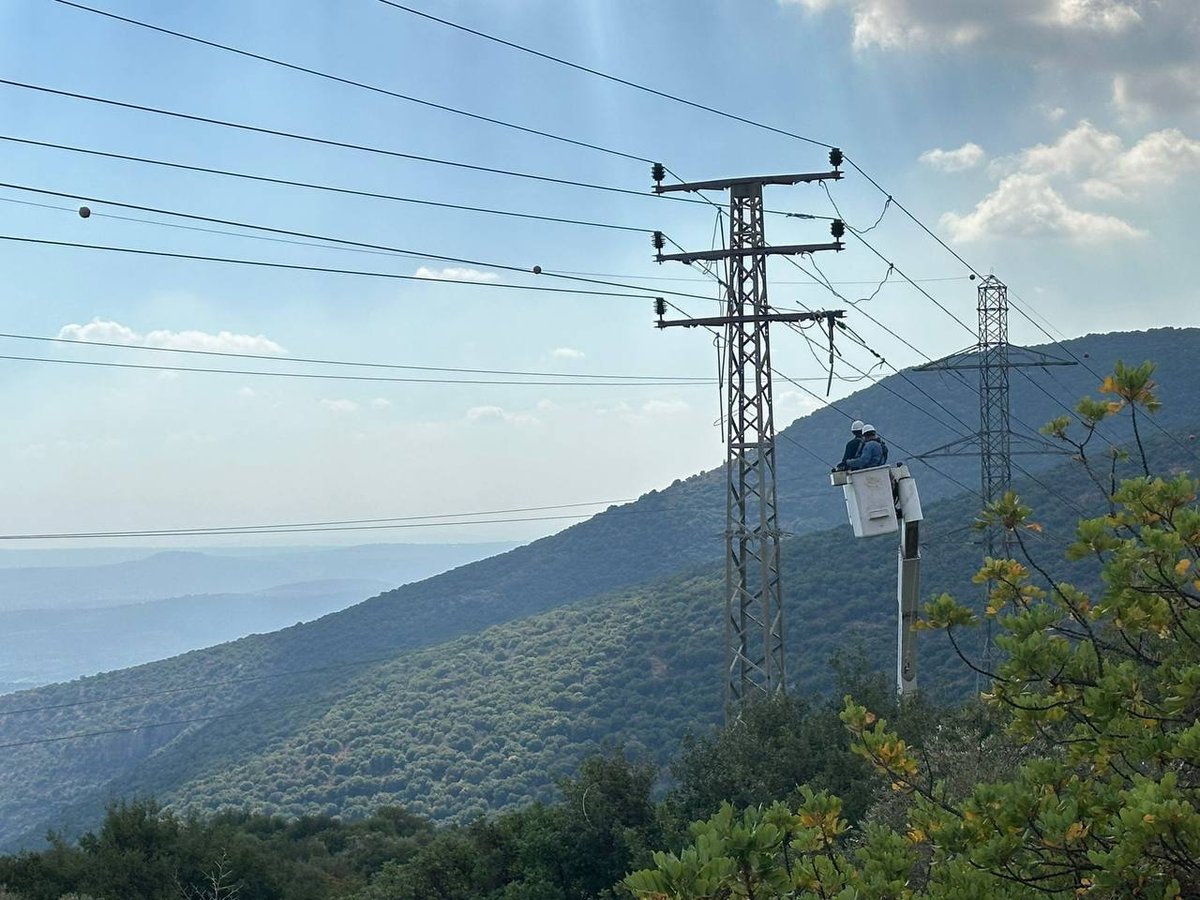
664, 407
1171, 88
100, 330
340, 406
1032, 197
247, 392
453, 273
965, 157
897, 24
567, 353
381, 403
486, 414
1113, 16
1146, 49
1027, 205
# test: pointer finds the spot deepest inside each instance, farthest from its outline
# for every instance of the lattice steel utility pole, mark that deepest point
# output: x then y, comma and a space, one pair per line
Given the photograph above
754, 645
993, 358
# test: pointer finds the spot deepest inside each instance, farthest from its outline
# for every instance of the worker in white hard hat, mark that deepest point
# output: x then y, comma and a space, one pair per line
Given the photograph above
872, 453
853, 446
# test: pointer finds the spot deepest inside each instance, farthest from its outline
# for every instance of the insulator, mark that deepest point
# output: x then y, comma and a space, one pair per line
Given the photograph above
837, 228
659, 240
658, 172
660, 307
835, 158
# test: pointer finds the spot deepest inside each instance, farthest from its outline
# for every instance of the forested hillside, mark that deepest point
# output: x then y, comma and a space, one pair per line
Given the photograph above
407, 698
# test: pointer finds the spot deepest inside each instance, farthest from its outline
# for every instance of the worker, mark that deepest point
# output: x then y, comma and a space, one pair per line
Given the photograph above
853, 446
872, 452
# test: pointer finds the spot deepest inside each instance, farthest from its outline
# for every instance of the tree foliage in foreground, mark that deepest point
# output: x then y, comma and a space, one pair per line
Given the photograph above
1101, 688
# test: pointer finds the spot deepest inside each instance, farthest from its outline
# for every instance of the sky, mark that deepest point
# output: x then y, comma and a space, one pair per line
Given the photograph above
1055, 143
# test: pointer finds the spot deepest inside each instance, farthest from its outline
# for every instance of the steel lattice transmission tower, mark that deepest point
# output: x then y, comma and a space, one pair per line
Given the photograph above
993, 358
754, 656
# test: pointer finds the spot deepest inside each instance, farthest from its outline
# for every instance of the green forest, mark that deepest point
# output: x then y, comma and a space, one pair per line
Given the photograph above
575, 752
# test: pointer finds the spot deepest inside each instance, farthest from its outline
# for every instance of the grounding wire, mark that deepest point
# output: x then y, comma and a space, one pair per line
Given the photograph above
353, 83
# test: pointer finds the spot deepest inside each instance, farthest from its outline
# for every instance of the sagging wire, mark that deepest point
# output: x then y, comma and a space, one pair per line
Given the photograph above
883, 212
828, 285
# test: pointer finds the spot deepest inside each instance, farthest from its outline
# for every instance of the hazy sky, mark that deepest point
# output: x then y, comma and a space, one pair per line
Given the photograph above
1056, 142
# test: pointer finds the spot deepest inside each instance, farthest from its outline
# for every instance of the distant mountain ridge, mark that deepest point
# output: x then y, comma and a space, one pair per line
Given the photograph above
661, 535
174, 573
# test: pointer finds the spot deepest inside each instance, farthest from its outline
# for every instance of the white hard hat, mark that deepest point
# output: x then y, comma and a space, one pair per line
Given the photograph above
868, 429
856, 425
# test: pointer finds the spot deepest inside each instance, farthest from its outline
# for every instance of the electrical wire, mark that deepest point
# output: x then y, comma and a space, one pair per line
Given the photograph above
329, 142
137, 251
342, 362
322, 376
399, 251
353, 83
264, 179
421, 521
890, 199
604, 75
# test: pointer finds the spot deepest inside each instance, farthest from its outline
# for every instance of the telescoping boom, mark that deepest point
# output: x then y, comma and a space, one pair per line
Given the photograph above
883, 500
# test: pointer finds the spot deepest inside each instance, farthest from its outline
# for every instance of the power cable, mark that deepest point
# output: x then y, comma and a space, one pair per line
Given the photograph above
353, 83
96, 535
341, 362
375, 379
890, 198
1174, 438
399, 251
329, 142
137, 251
264, 179
632, 84
422, 521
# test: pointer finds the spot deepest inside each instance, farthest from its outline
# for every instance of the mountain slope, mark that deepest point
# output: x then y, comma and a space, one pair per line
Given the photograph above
663, 533
43, 646
487, 721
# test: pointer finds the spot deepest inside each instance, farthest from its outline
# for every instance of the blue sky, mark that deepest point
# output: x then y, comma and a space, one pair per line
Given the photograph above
1056, 142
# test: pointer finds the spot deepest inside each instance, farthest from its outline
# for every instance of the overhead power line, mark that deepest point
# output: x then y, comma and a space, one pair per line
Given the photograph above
376, 379
355, 364
599, 74
138, 251
399, 251
329, 142
308, 185
350, 82
484, 517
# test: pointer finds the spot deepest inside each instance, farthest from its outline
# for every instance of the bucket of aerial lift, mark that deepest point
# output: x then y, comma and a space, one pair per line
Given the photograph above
869, 500
873, 495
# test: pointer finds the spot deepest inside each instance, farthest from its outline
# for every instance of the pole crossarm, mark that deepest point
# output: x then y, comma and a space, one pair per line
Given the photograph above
720, 184
711, 255
763, 317
754, 645
969, 446
972, 358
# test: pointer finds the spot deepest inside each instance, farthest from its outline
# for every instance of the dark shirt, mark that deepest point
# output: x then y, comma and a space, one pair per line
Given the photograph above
853, 446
